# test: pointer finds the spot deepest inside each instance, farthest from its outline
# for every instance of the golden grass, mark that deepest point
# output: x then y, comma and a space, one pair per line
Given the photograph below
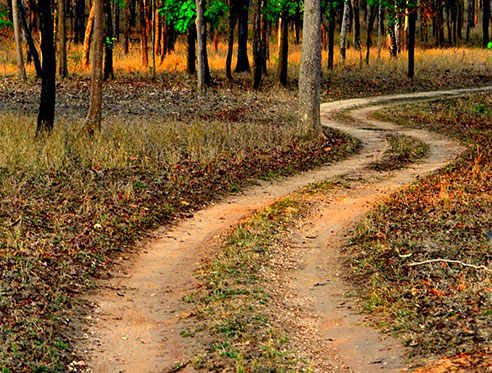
427, 60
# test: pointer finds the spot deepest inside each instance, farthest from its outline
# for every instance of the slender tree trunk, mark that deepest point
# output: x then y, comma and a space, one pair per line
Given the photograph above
62, 23
230, 39
143, 32
126, 42
310, 72
264, 42
257, 55
412, 20
201, 26
370, 25
331, 38
93, 120
356, 24
283, 53
33, 52
79, 20
343, 32
191, 68
486, 22
152, 8
108, 42
242, 41
46, 115
21, 69
380, 30
470, 18
87, 37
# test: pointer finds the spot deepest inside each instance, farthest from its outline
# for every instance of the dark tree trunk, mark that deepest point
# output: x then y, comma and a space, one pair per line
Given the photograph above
486, 22
126, 31
297, 26
190, 66
264, 43
143, 33
331, 42
116, 23
33, 52
470, 18
62, 38
133, 13
257, 55
412, 20
79, 21
46, 115
370, 25
230, 39
356, 24
108, 45
242, 37
283, 53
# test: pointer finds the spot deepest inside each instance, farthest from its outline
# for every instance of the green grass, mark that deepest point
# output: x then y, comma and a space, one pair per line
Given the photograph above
403, 151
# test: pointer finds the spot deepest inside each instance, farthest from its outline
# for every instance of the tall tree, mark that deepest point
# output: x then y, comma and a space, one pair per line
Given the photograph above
33, 52
343, 31
79, 21
21, 70
108, 40
283, 50
87, 36
62, 37
370, 25
412, 20
356, 23
242, 37
143, 33
486, 22
46, 114
201, 26
93, 120
310, 73
230, 39
257, 45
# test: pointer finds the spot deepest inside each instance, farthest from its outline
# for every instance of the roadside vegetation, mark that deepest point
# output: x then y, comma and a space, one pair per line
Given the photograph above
403, 150
403, 251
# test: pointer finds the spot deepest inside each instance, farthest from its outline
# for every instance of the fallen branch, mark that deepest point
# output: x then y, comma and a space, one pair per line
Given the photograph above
450, 261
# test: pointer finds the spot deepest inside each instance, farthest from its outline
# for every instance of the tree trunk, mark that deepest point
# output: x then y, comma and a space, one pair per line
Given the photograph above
470, 18
87, 37
283, 53
264, 42
21, 69
230, 39
33, 52
412, 20
343, 31
356, 24
242, 37
93, 120
126, 42
152, 9
370, 25
380, 30
257, 50
331, 38
201, 26
486, 22
108, 42
79, 21
310, 72
143, 32
46, 115
62, 23
190, 66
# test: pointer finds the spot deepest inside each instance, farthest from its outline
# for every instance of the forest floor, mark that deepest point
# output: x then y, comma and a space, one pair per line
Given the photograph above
274, 294
71, 210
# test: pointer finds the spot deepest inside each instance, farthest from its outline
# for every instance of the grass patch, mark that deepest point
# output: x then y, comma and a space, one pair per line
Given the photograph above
438, 309
403, 151
71, 207
234, 304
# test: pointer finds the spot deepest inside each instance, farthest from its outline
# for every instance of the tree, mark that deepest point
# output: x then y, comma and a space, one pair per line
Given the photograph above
230, 39
93, 119
21, 70
310, 73
88, 35
62, 26
30, 42
257, 45
46, 114
343, 31
79, 20
412, 20
242, 37
486, 22
201, 26
108, 40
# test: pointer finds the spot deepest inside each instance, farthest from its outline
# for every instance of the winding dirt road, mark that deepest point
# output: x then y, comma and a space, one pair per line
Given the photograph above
140, 311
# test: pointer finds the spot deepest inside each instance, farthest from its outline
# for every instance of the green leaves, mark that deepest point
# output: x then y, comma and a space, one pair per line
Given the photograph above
4, 22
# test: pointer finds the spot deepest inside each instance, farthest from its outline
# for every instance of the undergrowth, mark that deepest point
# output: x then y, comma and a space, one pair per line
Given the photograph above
440, 308
403, 150
70, 206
